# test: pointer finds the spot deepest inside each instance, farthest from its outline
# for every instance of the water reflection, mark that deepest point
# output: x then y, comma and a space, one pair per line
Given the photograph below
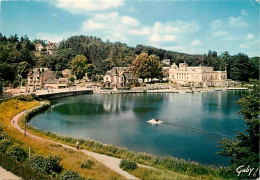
193, 123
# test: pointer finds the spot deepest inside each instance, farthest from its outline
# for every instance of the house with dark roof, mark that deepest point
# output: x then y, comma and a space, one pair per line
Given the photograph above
51, 47
119, 77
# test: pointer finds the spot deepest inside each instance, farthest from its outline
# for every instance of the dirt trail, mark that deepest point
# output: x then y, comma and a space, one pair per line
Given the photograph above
4, 175
110, 162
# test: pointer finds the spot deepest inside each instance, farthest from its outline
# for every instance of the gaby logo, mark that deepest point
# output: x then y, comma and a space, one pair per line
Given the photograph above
248, 170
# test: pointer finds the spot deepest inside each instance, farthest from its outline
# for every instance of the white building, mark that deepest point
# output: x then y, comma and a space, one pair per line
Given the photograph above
197, 76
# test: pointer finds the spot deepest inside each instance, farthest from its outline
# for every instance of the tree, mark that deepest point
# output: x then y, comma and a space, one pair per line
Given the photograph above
78, 66
23, 68
254, 67
71, 79
7, 72
145, 66
90, 70
59, 74
155, 67
140, 66
240, 67
1, 88
244, 150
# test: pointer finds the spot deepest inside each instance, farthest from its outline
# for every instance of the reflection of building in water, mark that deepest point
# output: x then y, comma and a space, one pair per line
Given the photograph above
198, 76
112, 104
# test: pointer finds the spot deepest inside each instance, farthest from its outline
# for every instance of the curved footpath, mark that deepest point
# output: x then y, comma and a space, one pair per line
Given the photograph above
4, 175
110, 162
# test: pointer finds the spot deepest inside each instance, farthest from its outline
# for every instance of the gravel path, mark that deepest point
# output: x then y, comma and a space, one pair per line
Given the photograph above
110, 162
7, 175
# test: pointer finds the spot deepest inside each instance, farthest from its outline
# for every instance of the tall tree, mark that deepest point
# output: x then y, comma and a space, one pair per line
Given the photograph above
244, 150
78, 66
240, 67
140, 66
145, 66
155, 67
254, 67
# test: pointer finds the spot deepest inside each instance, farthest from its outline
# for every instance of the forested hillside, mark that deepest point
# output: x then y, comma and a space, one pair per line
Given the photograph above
17, 56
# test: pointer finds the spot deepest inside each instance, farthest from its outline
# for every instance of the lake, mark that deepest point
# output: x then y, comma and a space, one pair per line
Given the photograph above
193, 123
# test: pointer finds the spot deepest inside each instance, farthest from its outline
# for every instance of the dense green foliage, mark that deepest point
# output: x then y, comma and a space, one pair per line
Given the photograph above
79, 66
244, 150
16, 152
70, 175
46, 165
126, 164
18, 56
19, 169
1, 88
4, 144
145, 66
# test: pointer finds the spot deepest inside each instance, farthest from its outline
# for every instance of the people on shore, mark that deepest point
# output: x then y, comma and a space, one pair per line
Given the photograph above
77, 145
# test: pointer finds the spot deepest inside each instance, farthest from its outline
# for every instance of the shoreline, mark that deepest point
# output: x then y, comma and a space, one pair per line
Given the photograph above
176, 90
59, 93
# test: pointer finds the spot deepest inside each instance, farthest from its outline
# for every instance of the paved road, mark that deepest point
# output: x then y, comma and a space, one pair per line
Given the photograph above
110, 162
7, 175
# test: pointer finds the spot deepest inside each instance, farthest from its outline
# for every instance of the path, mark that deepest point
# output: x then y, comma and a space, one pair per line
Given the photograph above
4, 175
110, 162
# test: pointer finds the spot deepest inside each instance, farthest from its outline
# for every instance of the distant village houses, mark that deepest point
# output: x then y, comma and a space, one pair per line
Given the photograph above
51, 48
40, 78
199, 76
38, 47
119, 77
166, 62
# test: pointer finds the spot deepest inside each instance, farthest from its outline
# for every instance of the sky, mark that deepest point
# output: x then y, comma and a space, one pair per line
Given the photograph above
188, 26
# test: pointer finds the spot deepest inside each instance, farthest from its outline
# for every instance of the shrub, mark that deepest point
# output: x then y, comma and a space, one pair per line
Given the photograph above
126, 164
3, 136
28, 97
70, 175
4, 144
88, 164
53, 164
15, 84
19, 169
17, 152
46, 165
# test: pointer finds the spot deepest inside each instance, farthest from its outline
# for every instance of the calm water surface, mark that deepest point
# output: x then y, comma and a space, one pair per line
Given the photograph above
193, 123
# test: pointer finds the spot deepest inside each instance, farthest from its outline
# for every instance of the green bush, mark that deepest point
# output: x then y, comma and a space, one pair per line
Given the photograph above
46, 165
70, 175
3, 136
16, 152
88, 164
4, 144
29, 97
126, 164
19, 169
15, 84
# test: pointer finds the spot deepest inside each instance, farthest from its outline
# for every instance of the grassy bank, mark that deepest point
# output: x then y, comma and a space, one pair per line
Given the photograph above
168, 167
70, 159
